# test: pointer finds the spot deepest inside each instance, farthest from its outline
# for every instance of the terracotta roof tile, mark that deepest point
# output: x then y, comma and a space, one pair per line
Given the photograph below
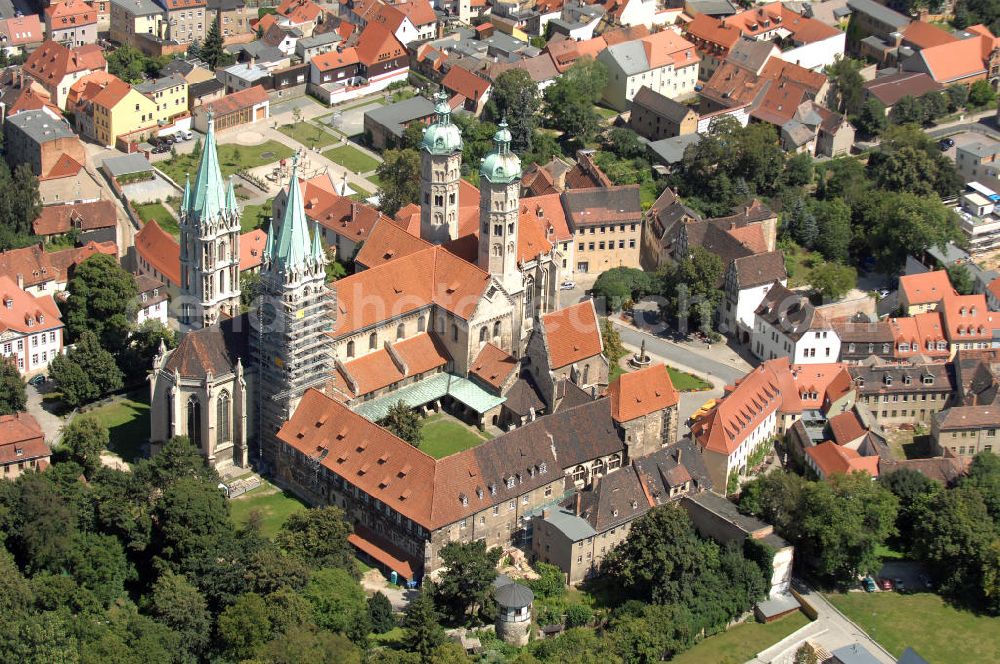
637, 393
27, 313
70, 13
237, 101
846, 427
252, 249
64, 167
299, 11
924, 35
377, 44
572, 334
494, 366
967, 318
388, 241
160, 250
214, 349
335, 59
419, 12
22, 30
831, 458
57, 219
21, 439
954, 61
925, 288
50, 62
462, 81
32, 263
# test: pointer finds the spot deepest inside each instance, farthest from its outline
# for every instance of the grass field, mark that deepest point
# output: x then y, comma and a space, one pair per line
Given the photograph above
254, 215
274, 508
127, 420
161, 215
742, 642
308, 134
351, 158
362, 193
683, 381
938, 631
443, 436
605, 113
231, 159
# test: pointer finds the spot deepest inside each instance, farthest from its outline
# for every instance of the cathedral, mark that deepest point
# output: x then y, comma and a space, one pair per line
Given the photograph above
437, 314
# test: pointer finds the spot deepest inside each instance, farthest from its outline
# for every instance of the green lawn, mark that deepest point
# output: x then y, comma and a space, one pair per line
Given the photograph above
443, 436
604, 112
682, 380
361, 194
254, 215
308, 134
231, 159
742, 642
127, 419
936, 630
274, 508
800, 263
160, 214
351, 158
60, 243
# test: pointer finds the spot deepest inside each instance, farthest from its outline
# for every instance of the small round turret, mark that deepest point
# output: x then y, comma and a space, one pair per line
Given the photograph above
501, 165
442, 137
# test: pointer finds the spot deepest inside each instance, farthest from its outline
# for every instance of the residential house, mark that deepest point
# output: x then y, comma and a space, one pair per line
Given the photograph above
606, 223
337, 69
977, 161
968, 322
861, 338
72, 23
31, 327
664, 62
973, 58
923, 292
237, 109
139, 23
94, 222
20, 34
169, 93
309, 47
540, 68
904, 393
22, 445
185, 20
874, 26
577, 21
788, 325
234, 19
282, 38
818, 132
40, 272
106, 108
829, 458
566, 344
662, 227
473, 90
44, 143
965, 431
413, 21
56, 67
746, 282
384, 126
772, 96
193, 71
655, 116
919, 336
205, 92
153, 300
383, 59
303, 15
888, 90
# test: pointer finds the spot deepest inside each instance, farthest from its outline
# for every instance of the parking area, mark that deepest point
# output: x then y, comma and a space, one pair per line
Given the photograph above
352, 120
963, 138
911, 573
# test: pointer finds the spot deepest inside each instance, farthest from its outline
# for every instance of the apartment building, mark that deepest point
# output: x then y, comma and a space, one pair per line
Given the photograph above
903, 393
664, 62
31, 328
606, 223
71, 22
185, 20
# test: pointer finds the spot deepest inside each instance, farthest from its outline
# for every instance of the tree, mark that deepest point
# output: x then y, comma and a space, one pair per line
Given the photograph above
421, 623
984, 476
798, 170
244, 627
806, 654
98, 563
191, 517
958, 96
901, 224
515, 97
308, 644
691, 289
318, 536
85, 438
338, 601
981, 94
834, 280
212, 52
404, 422
468, 579
86, 372
935, 105
45, 525
614, 349
846, 85
127, 63
908, 110
871, 121
380, 613
802, 224
399, 178
569, 102
960, 279
550, 582
103, 299
13, 394
833, 221
909, 161
621, 284
578, 615
656, 634
624, 143
911, 488
178, 604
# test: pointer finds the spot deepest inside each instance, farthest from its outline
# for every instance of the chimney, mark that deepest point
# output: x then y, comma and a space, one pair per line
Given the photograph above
20, 281
678, 456
546, 513
576, 507
595, 481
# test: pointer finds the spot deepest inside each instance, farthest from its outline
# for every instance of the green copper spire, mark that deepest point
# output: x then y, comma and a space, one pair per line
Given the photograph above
231, 203
318, 254
186, 200
291, 248
442, 137
209, 196
501, 165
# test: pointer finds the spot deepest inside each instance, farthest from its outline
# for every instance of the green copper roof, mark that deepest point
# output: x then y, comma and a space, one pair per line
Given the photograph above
291, 249
231, 203
442, 137
186, 201
208, 198
501, 165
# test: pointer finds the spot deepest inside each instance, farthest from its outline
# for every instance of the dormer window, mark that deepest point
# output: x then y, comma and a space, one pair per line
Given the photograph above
928, 379
479, 492
464, 499
887, 379
510, 482
907, 380
542, 468
860, 381
493, 489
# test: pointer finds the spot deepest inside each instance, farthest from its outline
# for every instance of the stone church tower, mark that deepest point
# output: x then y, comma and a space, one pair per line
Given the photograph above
289, 343
499, 210
210, 244
440, 173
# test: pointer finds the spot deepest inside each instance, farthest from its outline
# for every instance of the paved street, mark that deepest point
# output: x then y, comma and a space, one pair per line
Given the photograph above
51, 424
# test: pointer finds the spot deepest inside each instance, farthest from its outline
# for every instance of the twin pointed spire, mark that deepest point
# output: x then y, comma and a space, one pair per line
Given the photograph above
290, 248
208, 198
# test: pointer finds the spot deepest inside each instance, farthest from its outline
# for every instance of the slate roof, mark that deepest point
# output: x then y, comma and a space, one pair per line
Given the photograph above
663, 469
879, 12
602, 205
787, 310
617, 499
759, 269
661, 105
211, 350
523, 396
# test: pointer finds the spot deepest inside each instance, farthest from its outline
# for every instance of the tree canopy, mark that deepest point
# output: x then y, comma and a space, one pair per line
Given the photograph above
13, 394
404, 422
399, 178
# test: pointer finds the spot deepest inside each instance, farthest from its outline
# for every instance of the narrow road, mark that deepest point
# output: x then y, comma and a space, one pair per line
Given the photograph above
673, 352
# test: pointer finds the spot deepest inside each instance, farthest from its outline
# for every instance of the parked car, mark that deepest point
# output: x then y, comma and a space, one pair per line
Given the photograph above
885, 584
900, 586
168, 140
178, 136
869, 584
154, 140
882, 293
161, 148
37, 380
567, 285
188, 134
701, 412
946, 143
926, 580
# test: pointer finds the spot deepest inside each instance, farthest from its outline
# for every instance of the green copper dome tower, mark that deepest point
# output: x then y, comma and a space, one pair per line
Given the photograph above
440, 173
499, 209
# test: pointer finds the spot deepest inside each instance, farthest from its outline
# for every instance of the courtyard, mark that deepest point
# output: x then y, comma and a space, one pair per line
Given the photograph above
444, 435
127, 420
232, 158
268, 505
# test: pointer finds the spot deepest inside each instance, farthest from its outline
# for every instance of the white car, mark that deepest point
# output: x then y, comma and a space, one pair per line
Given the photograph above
882, 293
567, 285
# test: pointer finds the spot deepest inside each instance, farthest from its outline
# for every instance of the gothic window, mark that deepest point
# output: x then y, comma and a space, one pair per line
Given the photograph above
350, 348
372, 341
454, 332
438, 218
438, 199
586, 374
222, 417
400, 331
194, 421
482, 334
222, 250
579, 474
510, 228
497, 250
496, 329
510, 248
529, 296
451, 198
498, 229
615, 461
421, 324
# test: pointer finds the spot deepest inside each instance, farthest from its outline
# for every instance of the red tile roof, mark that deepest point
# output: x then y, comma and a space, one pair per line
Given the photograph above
299, 11
57, 219
21, 30
831, 458
160, 249
386, 242
26, 313
65, 167
419, 12
572, 334
642, 392
924, 35
548, 211
922, 334
237, 101
374, 371
954, 61
377, 44
668, 48
462, 81
846, 427
70, 13
708, 31
33, 264
967, 318
33, 97
252, 249
21, 439
51, 62
925, 288
335, 59
494, 366
184, 4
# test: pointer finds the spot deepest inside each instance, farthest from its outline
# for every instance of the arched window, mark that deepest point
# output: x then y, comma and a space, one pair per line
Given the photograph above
586, 374
579, 473
194, 420
454, 332
222, 410
222, 250
598, 467
421, 324
496, 329
400, 331
350, 348
482, 334
372, 341
615, 461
